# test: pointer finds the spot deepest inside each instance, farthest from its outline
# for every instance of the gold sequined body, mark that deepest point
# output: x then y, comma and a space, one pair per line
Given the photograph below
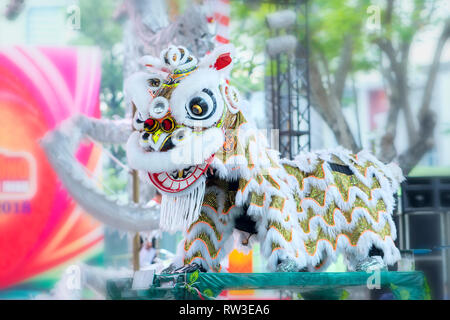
309, 210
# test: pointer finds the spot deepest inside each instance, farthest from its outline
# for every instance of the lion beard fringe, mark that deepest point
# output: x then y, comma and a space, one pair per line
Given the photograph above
179, 212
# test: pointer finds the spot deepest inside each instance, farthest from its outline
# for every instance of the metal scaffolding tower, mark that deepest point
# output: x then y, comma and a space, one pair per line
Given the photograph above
287, 86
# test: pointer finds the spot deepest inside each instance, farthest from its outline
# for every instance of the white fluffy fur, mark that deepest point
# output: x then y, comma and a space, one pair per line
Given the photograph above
194, 150
387, 175
136, 88
179, 211
151, 61
191, 87
209, 60
198, 147
225, 243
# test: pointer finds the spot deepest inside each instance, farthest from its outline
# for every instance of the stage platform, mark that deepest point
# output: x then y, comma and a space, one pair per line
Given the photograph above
320, 285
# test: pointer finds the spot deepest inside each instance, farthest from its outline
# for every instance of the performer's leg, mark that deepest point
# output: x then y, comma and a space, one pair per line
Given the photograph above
278, 239
205, 242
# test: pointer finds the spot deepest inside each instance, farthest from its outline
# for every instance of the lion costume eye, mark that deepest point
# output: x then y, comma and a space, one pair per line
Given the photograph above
202, 106
154, 83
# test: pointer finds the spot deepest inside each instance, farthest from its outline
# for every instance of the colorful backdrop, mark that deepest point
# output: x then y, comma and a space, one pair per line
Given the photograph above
40, 225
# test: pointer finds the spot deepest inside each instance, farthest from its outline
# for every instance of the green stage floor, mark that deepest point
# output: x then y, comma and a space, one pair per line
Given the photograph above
320, 285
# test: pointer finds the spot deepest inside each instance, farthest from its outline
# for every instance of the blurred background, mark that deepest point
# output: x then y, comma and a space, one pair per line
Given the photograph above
362, 74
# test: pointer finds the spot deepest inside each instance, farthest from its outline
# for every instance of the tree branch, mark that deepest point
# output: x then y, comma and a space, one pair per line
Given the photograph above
400, 85
427, 119
389, 11
324, 62
345, 63
411, 156
386, 46
330, 109
434, 68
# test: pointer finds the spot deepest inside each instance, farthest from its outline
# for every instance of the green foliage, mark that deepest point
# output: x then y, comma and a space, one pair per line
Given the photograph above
330, 21
98, 28
193, 277
97, 25
189, 286
208, 293
427, 290
400, 292
116, 182
345, 295
248, 33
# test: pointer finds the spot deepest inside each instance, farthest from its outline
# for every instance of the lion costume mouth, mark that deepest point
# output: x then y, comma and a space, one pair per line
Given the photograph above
179, 168
179, 121
179, 180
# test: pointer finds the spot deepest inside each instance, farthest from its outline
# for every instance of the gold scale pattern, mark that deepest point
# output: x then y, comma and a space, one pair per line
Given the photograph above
211, 201
343, 183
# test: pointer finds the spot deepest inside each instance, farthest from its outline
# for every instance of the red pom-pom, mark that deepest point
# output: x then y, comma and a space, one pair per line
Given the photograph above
223, 61
168, 125
150, 122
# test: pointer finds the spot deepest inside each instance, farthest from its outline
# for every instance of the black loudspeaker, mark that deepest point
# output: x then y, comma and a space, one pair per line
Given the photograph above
424, 231
434, 273
426, 193
444, 193
426, 206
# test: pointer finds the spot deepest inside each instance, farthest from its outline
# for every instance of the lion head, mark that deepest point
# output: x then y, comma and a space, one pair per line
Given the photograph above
185, 108
182, 106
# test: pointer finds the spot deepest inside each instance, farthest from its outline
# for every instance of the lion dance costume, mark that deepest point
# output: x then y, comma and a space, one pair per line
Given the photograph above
219, 179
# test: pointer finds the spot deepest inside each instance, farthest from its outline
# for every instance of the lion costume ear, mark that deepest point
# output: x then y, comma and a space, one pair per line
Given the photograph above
139, 88
221, 59
154, 65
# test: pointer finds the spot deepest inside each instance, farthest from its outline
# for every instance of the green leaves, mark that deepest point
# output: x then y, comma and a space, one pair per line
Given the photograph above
193, 277
190, 286
208, 293
97, 23
404, 294
344, 295
98, 28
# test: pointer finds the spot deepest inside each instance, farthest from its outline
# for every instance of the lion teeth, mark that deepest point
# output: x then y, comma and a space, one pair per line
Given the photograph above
197, 173
167, 183
175, 185
183, 184
162, 176
191, 179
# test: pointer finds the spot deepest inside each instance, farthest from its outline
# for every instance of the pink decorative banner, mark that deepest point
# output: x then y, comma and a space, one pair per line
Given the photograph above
40, 225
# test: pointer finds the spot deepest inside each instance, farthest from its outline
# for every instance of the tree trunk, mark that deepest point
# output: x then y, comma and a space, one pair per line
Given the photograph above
427, 119
329, 107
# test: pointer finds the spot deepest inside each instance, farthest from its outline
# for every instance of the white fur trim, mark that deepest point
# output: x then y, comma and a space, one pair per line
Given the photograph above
178, 212
209, 60
136, 88
194, 150
191, 87
151, 61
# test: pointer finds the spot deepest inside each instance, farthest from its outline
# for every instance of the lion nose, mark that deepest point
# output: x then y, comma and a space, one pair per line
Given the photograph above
159, 108
159, 128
